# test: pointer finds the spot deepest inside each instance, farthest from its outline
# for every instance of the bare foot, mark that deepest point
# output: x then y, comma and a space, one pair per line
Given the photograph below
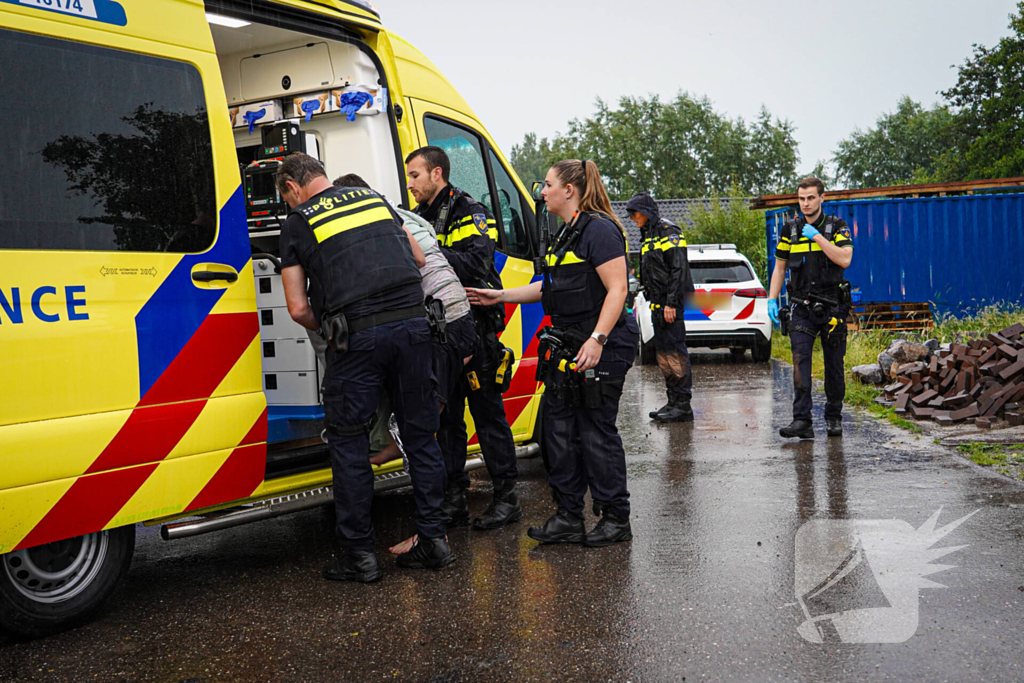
405, 546
389, 453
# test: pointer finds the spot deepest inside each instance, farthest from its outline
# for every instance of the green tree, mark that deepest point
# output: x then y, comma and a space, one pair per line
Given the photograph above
771, 155
681, 148
902, 148
532, 159
988, 104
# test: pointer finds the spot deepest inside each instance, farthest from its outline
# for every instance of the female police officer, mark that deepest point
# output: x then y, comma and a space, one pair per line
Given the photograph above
592, 345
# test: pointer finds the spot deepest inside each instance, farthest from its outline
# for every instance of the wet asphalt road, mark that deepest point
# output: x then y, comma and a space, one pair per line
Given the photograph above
705, 591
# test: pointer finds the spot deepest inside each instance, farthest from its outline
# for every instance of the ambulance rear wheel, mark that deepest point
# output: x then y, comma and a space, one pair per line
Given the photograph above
60, 585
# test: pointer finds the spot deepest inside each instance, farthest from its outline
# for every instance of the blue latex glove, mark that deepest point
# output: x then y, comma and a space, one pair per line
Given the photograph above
310, 107
773, 310
251, 117
810, 232
351, 102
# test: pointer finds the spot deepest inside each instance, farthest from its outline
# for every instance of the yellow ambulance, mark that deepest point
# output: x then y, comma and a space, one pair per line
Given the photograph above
149, 372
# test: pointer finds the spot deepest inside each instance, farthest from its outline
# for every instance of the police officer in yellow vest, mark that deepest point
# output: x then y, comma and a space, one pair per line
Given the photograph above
668, 283
352, 245
815, 249
468, 235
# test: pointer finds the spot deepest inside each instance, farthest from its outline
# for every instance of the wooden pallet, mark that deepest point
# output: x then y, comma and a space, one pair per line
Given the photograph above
892, 315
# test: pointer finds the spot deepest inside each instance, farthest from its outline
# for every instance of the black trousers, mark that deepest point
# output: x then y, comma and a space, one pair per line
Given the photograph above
802, 333
584, 450
395, 356
674, 358
492, 429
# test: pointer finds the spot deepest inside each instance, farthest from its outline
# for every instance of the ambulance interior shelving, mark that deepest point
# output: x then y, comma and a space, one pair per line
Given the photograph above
289, 91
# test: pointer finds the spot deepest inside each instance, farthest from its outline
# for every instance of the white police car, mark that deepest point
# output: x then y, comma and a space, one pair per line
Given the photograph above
729, 308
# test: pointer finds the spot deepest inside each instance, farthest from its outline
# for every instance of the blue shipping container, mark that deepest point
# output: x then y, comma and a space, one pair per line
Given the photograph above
960, 253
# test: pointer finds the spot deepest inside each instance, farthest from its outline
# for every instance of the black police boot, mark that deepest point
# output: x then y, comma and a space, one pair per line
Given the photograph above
428, 553
504, 508
679, 411
798, 429
561, 527
664, 409
354, 565
609, 530
455, 506
834, 426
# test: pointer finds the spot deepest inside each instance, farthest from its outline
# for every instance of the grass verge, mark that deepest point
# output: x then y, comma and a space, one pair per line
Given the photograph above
862, 348
1005, 459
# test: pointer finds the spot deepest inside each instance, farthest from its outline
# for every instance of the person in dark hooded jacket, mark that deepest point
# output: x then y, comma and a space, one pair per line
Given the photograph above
668, 283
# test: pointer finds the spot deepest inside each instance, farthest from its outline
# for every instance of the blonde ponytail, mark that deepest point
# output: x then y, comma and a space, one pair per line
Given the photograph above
586, 178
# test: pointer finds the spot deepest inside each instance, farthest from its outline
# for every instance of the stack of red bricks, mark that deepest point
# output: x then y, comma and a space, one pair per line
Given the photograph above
979, 381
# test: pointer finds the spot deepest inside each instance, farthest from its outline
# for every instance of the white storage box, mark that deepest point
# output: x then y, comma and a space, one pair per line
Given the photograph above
256, 114
275, 323
270, 292
291, 388
377, 103
307, 106
288, 355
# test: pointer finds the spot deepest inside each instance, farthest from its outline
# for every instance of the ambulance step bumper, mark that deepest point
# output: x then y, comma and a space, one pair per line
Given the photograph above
296, 502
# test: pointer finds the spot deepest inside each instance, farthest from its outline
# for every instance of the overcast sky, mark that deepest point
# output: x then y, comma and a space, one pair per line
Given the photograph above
828, 66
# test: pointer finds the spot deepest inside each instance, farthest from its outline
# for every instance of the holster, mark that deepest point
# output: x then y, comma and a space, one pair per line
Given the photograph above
503, 374
436, 319
495, 369
657, 315
489, 319
334, 328
834, 336
785, 317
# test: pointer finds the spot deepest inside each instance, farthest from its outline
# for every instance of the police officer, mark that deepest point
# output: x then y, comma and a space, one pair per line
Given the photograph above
667, 281
351, 243
467, 234
587, 353
816, 249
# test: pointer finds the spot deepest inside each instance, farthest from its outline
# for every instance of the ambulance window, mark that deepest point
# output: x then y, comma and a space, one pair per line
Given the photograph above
510, 209
463, 149
105, 151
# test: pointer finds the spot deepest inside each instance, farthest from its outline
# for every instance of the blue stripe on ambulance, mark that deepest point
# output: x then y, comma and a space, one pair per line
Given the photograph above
176, 310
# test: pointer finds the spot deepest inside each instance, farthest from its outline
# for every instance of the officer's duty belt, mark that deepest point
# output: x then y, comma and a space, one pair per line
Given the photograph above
366, 322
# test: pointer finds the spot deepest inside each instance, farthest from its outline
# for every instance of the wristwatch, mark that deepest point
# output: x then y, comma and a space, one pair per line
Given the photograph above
601, 339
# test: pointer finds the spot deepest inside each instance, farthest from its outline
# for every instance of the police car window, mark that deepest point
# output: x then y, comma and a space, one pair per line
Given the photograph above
463, 149
719, 272
104, 150
510, 209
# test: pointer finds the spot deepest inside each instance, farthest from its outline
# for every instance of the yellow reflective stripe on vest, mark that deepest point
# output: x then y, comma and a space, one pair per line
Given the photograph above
464, 230
344, 208
569, 259
661, 244
356, 220
804, 247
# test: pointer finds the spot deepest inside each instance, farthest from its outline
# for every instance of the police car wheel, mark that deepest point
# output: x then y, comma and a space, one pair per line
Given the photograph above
53, 587
762, 351
648, 354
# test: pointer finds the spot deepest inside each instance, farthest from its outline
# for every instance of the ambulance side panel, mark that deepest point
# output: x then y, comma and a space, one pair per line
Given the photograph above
128, 333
